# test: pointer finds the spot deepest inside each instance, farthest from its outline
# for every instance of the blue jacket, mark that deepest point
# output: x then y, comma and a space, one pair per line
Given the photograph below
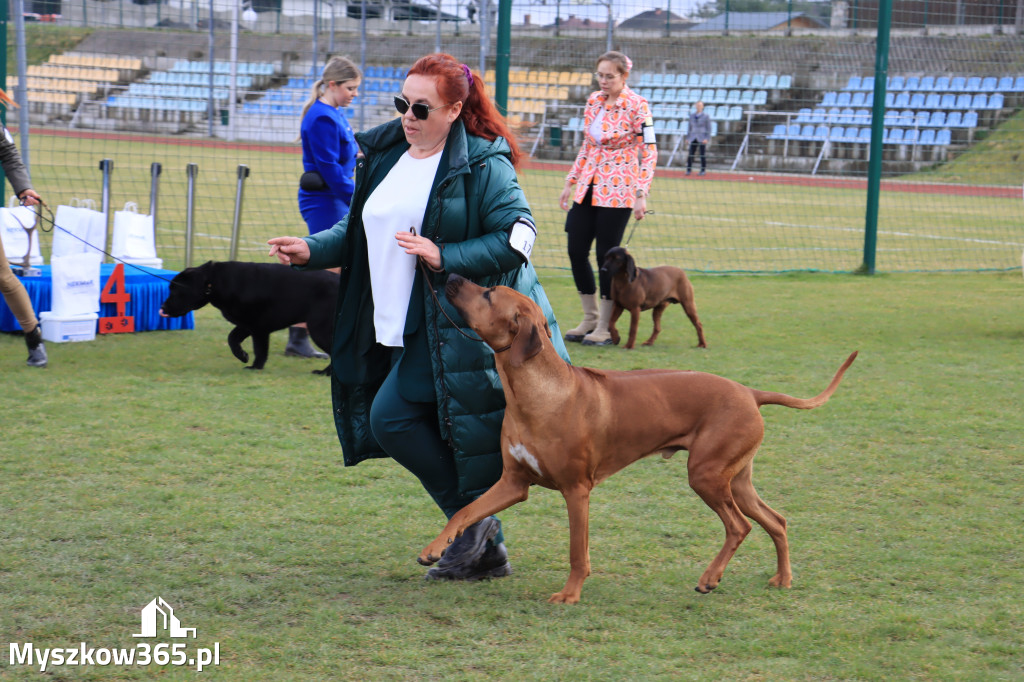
328, 146
475, 200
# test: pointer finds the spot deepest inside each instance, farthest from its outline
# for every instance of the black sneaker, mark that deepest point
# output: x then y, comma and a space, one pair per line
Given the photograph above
461, 557
493, 563
36, 348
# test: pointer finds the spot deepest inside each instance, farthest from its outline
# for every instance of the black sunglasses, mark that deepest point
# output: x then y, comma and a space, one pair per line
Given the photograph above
419, 110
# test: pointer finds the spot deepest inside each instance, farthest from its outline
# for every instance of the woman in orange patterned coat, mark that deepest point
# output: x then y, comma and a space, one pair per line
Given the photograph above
610, 180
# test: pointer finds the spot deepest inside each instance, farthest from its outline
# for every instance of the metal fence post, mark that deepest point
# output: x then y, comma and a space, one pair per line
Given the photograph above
243, 173
107, 166
154, 188
191, 170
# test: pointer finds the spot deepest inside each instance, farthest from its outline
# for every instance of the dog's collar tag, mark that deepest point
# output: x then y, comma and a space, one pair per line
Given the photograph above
522, 236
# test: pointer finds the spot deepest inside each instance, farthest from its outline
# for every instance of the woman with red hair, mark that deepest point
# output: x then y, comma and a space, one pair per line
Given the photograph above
436, 193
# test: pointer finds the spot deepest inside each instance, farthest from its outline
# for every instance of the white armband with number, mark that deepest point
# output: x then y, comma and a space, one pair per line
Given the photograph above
522, 236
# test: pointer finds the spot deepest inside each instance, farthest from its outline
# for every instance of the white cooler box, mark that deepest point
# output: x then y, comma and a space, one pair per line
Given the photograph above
68, 328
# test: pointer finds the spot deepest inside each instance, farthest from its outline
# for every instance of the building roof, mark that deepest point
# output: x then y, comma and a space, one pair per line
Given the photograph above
655, 19
753, 21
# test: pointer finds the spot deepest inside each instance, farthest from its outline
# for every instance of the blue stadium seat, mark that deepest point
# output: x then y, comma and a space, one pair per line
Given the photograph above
1005, 84
913, 83
818, 116
693, 80
793, 132
960, 84
836, 133
705, 80
757, 81
891, 119
971, 119
803, 116
894, 135
902, 100
942, 84
988, 84
707, 95
846, 117
896, 83
843, 99
927, 136
921, 119
733, 96
1018, 84
995, 101
735, 113
954, 119
720, 95
890, 98
851, 134
853, 83
932, 100
907, 118
744, 81
718, 80
672, 125
862, 116
785, 82
732, 80
948, 101
833, 116
771, 81
711, 110
820, 132
910, 136
937, 119
807, 132
943, 137
860, 99
963, 101
747, 97
917, 100
864, 135
760, 97
927, 83
829, 99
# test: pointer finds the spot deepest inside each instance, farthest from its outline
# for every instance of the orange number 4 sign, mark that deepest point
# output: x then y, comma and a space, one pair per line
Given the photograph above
114, 291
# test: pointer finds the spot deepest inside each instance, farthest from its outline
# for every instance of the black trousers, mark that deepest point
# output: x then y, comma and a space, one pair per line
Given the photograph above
703, 154
585, 225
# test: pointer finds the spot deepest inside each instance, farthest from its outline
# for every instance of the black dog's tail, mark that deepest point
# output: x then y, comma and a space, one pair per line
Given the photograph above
771, 398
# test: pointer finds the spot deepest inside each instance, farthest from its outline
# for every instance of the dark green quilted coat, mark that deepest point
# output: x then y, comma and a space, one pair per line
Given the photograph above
476, 200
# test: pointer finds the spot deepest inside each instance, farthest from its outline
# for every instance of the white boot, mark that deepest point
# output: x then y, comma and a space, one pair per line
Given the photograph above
601, 336
589, 322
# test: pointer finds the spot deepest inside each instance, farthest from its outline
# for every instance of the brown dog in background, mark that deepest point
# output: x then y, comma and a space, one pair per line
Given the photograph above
569, 428
638, 289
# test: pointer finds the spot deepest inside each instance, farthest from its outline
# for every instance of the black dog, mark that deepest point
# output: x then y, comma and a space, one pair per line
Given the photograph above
259, 298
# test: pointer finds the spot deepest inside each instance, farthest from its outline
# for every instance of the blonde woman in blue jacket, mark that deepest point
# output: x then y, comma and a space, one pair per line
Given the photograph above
436, 193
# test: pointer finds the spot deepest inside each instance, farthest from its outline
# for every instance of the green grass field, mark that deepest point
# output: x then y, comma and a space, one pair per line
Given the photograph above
153, 464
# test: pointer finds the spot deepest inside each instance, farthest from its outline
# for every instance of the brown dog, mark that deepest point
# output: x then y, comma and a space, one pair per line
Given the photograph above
569, 428
638, 289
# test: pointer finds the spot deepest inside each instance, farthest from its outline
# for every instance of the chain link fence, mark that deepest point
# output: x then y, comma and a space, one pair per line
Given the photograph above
219, 86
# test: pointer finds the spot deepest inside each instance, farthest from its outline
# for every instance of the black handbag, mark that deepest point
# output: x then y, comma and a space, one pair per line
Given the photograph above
312, 181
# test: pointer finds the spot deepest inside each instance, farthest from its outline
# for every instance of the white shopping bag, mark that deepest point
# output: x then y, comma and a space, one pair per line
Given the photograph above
79, 229
76, 284
15, 239
134, 236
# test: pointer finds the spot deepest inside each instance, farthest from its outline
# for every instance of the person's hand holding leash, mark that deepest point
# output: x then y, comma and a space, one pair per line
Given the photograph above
289, 250
640, 207
30, 198
422, 247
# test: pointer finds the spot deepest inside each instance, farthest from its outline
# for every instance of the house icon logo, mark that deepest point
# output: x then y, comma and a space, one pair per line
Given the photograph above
159, 613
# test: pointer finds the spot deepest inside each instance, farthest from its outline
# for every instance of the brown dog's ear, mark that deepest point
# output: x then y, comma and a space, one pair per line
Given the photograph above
630, 268
527, 342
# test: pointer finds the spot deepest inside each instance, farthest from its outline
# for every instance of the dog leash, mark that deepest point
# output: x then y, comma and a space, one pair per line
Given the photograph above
437, 302
55, 226
635, 223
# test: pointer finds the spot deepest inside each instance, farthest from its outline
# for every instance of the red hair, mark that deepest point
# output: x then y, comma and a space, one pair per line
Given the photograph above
479, 114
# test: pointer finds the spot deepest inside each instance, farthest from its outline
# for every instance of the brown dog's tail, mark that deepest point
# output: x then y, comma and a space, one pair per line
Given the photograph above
771, 398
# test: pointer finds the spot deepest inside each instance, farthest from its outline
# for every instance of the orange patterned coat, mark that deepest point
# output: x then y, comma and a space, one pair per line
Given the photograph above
619, 163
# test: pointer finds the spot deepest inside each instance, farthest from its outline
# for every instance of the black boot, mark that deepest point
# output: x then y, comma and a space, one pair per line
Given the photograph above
299, 345
472, 557
36, 348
